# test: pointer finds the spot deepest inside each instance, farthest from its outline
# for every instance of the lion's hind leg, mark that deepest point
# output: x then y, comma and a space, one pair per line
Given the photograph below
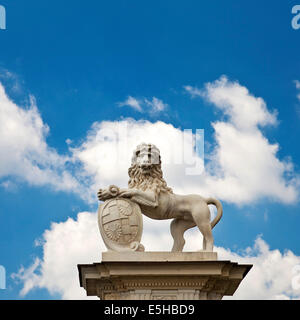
205, 229
178, 227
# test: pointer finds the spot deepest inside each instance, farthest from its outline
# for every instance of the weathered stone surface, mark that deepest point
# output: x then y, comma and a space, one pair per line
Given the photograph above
121, 225
148, 189
153, 277
126, 272
160, 256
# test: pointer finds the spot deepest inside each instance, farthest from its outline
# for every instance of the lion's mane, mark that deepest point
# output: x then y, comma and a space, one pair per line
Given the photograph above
152, 180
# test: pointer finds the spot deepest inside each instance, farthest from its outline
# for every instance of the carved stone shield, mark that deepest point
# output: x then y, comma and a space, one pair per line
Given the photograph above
121, 225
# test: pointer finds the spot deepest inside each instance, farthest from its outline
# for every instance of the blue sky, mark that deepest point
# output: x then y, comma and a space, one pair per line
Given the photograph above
82, 61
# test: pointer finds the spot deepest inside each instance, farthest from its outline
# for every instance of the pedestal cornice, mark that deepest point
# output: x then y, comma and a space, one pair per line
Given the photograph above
161, 275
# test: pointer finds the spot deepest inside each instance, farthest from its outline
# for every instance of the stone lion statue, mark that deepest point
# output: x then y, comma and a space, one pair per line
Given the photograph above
149, 190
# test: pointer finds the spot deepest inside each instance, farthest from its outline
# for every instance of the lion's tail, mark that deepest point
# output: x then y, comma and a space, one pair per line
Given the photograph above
218, 204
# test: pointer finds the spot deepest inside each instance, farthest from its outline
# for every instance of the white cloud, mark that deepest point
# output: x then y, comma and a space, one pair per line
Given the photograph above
24, 150
12, 80
156, 105
9, 186
272, 275
66, 244
194, 92
74, 242
297, 84
153, 106
132, 102
245, 111
244, 166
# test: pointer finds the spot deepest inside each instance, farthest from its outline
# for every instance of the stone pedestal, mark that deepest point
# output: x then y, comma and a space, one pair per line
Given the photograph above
161, 276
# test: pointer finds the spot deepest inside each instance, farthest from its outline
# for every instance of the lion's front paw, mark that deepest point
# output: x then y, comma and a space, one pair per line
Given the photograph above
111, 192
103, 194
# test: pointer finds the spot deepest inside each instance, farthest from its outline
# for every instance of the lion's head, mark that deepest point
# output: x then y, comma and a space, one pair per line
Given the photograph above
145, 171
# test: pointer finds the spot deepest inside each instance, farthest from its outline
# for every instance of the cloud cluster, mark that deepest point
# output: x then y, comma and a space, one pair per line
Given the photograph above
78, 241
244, 165
65, 245
242, 168
275, 275
24, 150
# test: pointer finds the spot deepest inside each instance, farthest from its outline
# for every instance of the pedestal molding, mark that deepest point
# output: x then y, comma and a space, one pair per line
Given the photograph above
125, 279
